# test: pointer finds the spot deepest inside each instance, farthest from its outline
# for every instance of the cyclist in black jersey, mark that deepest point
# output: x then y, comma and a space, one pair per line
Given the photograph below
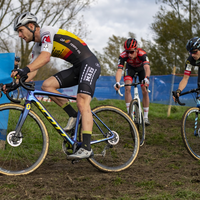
51, 41
193, 47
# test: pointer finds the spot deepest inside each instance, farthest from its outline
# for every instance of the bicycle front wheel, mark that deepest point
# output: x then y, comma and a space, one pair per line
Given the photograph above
138, 119
120, 152
190, 130
23, 154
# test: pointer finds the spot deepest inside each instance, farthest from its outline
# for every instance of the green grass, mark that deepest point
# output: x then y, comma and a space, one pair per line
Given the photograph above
156, 110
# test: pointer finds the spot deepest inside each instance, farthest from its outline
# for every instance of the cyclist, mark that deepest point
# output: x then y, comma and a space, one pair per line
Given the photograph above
136, 61
51, 41
17, 60
193, 47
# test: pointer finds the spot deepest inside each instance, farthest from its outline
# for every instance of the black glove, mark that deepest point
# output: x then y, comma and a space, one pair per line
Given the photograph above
12, 86
177, 93
23, 72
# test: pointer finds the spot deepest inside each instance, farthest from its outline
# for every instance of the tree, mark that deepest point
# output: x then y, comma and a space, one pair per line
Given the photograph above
60, 13
172, 31
109, 59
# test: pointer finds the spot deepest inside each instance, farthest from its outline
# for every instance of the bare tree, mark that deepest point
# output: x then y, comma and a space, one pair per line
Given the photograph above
60, 13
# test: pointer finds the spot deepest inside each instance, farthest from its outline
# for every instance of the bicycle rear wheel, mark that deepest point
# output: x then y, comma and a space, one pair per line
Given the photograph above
135, 116
21, 155
119, 153
190, 130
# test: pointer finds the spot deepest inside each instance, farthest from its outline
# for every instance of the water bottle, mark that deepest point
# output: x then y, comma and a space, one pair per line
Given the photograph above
198, 103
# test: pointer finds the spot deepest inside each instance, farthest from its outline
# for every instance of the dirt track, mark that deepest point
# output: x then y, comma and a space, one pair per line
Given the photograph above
163, 170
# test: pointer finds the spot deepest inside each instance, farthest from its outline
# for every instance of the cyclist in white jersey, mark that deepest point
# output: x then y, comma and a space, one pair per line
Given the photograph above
51, 41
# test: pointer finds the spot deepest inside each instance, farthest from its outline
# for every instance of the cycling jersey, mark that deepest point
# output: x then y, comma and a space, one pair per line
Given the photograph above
139, 61
61, 44
67, 46
189, 63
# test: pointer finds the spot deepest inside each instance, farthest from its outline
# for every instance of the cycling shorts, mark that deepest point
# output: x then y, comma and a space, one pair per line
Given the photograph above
84, 74
130, 72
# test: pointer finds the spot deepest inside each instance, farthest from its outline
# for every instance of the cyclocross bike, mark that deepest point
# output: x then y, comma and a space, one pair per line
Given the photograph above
135, 110
115, 139
190, 124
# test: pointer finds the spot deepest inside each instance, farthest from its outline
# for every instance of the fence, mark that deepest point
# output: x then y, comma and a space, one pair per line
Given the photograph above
160, 87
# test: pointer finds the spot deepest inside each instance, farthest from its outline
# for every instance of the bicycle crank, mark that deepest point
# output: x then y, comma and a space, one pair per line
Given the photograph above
13, 140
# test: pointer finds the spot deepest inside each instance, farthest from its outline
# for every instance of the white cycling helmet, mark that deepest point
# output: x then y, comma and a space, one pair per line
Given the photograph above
24, 19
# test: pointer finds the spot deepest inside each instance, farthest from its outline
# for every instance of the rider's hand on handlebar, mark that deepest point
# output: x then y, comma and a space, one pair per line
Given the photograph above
9, 86
176, 95
146, 81
117, 86
20, 72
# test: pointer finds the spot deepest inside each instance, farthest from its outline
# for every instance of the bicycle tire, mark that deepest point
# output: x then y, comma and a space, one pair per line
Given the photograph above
119, 156
135, 116
30, 150
191, 138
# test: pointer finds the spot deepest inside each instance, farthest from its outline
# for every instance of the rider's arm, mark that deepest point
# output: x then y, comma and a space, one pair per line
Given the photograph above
118, 75
147, 70
40, 61
118, 78
183, 82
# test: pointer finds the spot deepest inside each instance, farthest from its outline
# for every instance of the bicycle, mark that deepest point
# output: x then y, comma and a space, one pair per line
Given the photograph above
115, 139
190, 124
135, 110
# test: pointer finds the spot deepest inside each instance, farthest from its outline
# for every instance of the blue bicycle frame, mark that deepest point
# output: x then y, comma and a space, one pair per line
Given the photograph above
31, 98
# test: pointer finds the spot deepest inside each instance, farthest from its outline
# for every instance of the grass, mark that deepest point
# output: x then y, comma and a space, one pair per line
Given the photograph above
156, 110
151, 187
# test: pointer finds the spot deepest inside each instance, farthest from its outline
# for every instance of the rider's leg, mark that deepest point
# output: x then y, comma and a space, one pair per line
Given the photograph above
51, 85
83, 103
128, 96
145, 103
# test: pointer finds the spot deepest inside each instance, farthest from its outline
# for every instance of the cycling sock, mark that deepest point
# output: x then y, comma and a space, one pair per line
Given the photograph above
69, 110
86, 140
127, 107
146, 112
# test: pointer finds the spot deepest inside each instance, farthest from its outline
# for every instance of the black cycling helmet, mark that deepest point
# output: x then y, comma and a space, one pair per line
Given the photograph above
130, 43
193, 44
17, 58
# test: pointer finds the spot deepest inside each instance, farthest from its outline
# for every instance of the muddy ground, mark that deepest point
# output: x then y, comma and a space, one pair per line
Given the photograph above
162, 170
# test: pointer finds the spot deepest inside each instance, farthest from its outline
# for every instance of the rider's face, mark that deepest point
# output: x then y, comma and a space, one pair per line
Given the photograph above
132, 53
25, 34
195, 54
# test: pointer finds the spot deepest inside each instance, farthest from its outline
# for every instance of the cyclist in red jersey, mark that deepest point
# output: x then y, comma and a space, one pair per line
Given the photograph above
52, 41
136, 61
193, 47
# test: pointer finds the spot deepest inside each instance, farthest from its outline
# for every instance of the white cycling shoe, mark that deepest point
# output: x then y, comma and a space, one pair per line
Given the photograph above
81, 153
70, 124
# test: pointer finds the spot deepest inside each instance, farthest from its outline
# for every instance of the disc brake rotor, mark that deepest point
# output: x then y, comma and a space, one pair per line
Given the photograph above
13, 140
114, 140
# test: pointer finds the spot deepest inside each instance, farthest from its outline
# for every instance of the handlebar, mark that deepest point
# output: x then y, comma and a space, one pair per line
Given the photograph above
197, 91
13, 86
131, 84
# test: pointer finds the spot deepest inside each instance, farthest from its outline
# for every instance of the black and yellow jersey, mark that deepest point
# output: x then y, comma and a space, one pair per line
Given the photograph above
61, 44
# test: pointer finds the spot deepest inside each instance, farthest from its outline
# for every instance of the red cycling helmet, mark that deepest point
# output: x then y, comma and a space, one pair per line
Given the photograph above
130, 43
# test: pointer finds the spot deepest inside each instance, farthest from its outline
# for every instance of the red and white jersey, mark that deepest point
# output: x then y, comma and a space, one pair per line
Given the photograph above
139, 61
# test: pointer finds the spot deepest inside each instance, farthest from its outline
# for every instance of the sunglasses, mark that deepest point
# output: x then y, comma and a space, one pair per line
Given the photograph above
193, 52
130, 52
